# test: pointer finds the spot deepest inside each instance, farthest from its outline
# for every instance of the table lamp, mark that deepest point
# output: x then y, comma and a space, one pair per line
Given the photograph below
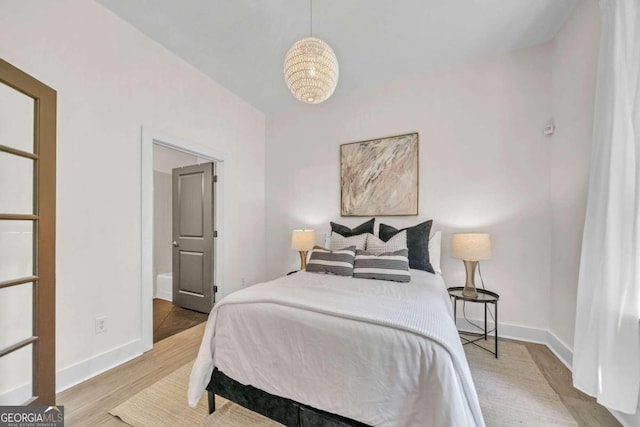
471, 248
303, 241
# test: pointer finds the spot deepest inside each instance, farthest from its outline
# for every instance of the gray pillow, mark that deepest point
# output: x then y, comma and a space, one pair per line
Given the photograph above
343, 230
417, 242
338, 262
393, 266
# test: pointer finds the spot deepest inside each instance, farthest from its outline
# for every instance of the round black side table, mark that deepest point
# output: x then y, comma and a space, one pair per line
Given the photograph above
484, 297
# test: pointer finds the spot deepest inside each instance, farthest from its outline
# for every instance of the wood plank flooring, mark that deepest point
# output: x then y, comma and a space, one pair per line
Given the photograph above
585, 410
87, 404
169, 319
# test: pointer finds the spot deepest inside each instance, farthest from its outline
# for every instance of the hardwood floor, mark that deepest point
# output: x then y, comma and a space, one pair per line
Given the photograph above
169, 319
585, 410
87, 404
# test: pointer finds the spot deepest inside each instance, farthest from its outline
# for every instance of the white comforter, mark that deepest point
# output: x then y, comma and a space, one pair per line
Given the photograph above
383, 353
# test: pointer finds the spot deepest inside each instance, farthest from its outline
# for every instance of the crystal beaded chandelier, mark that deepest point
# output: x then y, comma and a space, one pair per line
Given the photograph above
311, 68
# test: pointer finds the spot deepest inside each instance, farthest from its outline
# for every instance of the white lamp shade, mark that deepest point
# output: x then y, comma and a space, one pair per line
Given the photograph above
471, 246
303, 240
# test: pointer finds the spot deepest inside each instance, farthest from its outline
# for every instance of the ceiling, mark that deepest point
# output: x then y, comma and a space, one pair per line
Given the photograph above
242, 43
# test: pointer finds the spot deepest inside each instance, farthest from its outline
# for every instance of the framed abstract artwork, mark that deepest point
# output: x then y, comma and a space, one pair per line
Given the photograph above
380, 177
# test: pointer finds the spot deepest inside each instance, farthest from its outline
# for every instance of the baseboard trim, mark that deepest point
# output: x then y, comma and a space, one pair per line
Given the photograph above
16, 396
558, 347
89, 368
508, 330
627, 420
167, 296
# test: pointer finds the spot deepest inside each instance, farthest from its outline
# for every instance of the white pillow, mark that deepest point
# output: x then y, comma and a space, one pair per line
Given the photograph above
327, 240
435, 248
338, 241
378, 246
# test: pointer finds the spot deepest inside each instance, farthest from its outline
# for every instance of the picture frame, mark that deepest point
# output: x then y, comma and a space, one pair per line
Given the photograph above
379, 177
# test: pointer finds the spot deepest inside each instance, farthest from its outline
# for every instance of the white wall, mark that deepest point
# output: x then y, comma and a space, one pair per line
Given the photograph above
111, 80
484, 166
575, 58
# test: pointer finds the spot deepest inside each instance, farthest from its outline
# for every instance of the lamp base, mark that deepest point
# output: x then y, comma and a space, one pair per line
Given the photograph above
469, 290
303, 260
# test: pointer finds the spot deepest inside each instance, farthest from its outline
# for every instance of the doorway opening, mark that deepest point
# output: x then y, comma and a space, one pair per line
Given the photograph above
183, 233
182, 222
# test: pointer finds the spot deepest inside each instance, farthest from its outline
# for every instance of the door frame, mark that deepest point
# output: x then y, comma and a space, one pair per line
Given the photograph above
43, 339
149, 139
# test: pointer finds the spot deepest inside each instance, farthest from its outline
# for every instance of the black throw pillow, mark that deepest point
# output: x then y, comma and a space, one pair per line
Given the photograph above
417, 242
344, 231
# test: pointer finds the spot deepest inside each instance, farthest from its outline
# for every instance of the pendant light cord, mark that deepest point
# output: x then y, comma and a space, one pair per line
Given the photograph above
311, 18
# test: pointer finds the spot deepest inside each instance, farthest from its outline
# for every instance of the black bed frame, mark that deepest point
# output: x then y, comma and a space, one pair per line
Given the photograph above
284, 411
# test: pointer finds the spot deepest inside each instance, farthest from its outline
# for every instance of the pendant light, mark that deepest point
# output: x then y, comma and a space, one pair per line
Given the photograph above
311, 68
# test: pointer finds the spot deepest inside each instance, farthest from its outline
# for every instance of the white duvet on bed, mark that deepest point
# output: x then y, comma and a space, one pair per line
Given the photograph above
383, 353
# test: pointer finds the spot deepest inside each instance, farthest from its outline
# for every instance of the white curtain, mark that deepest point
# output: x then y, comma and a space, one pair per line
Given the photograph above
606, 361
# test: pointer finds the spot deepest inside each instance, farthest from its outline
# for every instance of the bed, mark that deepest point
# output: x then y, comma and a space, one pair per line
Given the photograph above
368, 352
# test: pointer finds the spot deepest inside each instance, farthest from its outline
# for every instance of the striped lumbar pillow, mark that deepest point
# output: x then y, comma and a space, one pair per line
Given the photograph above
338, 262
392, 266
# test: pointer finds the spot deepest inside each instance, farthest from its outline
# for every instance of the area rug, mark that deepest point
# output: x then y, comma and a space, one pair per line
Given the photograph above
511, 389
165, 404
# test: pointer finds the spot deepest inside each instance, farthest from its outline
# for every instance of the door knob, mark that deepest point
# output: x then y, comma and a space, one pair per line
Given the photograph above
175, 244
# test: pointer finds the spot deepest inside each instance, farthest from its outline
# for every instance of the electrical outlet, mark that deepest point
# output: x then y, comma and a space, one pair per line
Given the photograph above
244, 282
101, 325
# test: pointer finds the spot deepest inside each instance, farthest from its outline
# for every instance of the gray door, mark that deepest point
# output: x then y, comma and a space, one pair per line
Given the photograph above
193, 234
